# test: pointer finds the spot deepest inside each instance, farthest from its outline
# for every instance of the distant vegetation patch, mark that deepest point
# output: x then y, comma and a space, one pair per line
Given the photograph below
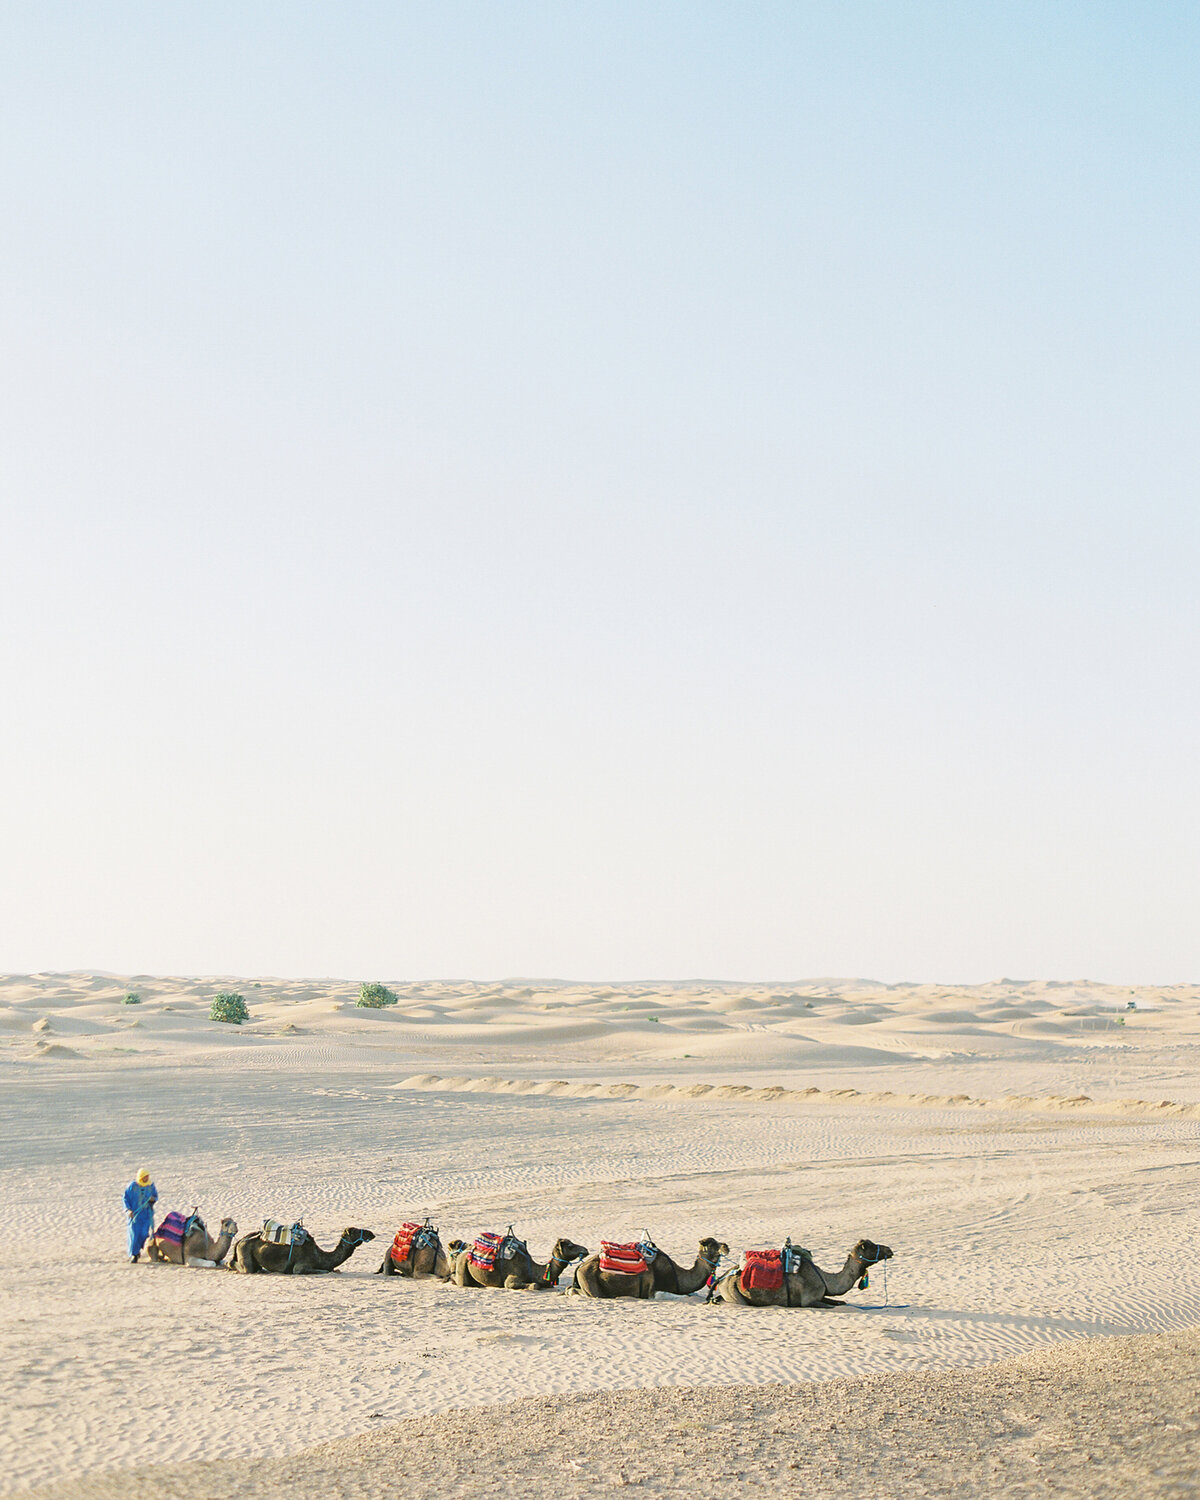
229, 1007
376, 996
132, 998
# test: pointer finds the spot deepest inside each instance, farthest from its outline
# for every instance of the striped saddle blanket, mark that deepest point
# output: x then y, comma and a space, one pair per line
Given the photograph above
762, 1270
176, 1227
489, 1248
276, 1232
410, 1237
626, 1259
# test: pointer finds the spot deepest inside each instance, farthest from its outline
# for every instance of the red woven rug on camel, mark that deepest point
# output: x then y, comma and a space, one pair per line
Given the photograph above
625, 1260
402, 1244
762, 1271
484, 1251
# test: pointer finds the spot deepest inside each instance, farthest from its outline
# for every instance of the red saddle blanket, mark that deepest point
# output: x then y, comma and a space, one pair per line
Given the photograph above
762, 1271
484, 1251
625, 1260
402, 1244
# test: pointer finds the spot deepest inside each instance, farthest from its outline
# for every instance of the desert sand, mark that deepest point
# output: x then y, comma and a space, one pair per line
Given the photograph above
1029, 1151
1091, 1420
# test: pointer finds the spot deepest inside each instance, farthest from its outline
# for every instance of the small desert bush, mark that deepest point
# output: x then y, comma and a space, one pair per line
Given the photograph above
133, 998
228, 1007
376, 996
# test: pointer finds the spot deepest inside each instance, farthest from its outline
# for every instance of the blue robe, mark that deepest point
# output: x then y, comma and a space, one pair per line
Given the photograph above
139, 1203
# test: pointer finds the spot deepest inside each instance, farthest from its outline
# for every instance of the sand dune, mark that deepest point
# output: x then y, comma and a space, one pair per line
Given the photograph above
1009, 1141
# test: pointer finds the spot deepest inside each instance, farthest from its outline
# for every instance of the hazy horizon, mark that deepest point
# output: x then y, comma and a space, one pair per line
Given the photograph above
621, 489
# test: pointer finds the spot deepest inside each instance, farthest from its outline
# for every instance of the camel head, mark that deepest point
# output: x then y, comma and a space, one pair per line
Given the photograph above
712, 1250
455, 1246
356, 1236
567, 1250
229, 1227
869, 1252
564, 1252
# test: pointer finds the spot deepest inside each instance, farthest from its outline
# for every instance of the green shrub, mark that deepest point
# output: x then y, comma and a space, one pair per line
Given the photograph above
229, 1007
376, 996
133, 998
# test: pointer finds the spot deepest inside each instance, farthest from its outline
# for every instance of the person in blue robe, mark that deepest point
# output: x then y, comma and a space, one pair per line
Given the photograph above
140, 1197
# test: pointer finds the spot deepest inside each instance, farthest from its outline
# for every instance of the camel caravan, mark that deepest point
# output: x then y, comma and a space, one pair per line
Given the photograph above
786, 1276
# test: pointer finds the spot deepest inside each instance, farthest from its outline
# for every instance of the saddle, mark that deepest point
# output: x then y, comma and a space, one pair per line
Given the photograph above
489, 1248
762, 1270
411, 1238
628, 1259
276, 1232
176, 1227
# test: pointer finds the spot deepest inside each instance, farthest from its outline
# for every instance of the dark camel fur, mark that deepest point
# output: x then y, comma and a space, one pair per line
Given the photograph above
809, 1286
254, 1255
662, 1275
429, 1260
516, 1273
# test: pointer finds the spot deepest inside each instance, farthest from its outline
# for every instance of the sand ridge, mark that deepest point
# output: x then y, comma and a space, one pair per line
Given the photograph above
563, 1089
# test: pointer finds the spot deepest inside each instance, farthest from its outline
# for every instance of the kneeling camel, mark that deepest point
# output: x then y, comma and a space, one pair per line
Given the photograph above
255, 1255
806, 1285
517, 1271
197, 1248
661, 1275
424, 1257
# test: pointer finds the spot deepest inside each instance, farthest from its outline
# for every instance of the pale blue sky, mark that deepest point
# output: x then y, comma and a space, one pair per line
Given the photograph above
601, 490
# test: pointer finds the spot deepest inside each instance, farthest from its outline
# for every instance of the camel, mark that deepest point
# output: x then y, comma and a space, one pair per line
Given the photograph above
425, 1257
517, 1271
253, 1254
198, 1247
661, 1275
808, 1285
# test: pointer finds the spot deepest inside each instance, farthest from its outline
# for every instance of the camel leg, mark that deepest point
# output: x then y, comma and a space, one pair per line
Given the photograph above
732, 1292
242, 1261
586, 1282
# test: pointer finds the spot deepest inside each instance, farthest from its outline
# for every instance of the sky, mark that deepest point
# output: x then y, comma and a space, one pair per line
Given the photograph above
600, 490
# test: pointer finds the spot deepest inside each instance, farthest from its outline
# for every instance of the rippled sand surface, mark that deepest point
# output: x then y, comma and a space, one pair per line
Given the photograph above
1010, 1143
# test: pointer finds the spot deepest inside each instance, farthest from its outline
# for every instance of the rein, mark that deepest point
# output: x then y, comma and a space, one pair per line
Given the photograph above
546, 1279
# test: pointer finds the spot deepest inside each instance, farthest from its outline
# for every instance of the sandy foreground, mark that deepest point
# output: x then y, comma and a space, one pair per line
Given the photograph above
1106, 1417
1030, 1151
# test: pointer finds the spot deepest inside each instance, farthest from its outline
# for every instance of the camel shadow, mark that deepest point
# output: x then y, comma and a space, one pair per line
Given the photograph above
1020, 1322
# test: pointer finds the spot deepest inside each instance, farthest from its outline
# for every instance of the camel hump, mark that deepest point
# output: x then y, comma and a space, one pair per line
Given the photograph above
762, 1270
411, 1237
175, 1228
623, 1259
277, 1232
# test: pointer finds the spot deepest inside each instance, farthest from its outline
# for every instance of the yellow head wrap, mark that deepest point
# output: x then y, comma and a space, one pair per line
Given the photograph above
144, 1176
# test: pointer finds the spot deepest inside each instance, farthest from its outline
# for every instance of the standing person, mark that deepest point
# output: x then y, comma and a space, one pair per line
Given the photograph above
140, 1197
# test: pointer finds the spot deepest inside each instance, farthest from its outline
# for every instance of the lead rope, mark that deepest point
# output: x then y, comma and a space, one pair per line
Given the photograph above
885, 1305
